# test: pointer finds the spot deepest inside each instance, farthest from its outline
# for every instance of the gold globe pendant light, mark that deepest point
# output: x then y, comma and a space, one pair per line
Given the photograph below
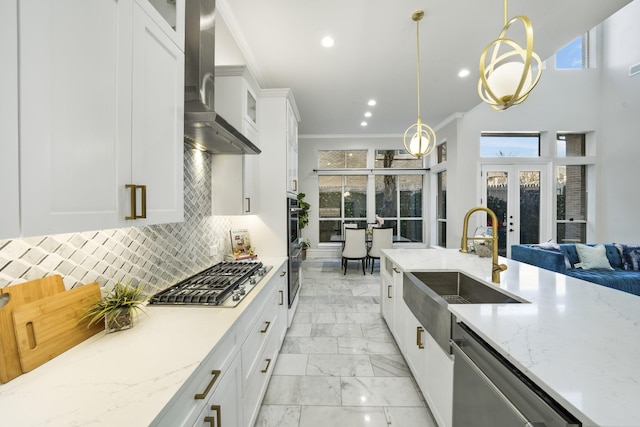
419, 139
507, 77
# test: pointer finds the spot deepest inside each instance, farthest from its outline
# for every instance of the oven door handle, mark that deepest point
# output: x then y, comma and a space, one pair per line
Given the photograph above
459, 353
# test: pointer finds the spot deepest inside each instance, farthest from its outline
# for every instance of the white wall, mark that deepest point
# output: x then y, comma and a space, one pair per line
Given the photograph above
620, 140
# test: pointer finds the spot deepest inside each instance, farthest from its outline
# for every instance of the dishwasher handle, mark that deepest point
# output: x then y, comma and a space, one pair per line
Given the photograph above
459, 353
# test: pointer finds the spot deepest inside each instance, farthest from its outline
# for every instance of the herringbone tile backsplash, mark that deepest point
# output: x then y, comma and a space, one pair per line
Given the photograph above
155, 256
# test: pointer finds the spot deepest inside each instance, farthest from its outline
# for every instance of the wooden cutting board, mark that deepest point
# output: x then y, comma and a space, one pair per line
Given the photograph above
50, 326
15, 296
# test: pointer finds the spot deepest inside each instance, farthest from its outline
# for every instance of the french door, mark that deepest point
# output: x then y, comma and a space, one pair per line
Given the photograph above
519, 196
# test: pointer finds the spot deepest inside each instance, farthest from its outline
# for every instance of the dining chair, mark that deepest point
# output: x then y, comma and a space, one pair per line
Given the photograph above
355, 247
382, 238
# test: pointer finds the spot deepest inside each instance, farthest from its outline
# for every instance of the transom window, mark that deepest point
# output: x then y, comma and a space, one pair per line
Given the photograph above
574, 55
509, 145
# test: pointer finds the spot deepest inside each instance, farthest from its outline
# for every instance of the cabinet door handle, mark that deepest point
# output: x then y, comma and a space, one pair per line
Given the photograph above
217, 421
216, 375
132, 214
266, 327
419, 331
134, 202
389, 291
266, 368
295, 185
281, 297
143, 190
396, 270
284, 273
248, 199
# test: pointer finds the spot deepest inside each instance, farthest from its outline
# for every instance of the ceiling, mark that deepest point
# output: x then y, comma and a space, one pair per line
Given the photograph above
374, 55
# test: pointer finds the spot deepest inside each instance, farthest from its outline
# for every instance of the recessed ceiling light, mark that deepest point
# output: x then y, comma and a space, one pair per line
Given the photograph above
363, 124
371, 102
367, 114
328, 41
463, 73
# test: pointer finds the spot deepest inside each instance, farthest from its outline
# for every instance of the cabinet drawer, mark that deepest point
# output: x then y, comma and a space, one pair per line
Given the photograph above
258, 377
189, 401
254, 345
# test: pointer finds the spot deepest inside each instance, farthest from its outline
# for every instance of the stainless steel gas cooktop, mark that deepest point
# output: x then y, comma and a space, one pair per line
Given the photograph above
223, 285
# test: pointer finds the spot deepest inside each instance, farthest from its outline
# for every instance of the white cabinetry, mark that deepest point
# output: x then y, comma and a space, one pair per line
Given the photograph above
236, 177
224, 407
292, 150
228, 386
88, 106
430, 365
9, 173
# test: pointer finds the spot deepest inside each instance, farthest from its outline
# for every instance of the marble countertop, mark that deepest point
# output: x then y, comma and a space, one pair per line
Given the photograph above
578, 341
124, 378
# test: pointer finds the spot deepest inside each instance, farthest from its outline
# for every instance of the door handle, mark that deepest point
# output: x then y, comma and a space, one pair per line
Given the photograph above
419, 331
133, 200
248, 199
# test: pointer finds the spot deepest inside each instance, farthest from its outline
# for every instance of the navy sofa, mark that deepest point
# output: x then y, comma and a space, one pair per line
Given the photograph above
564, 260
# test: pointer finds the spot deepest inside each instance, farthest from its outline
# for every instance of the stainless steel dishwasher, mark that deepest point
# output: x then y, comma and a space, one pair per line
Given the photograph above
488, 391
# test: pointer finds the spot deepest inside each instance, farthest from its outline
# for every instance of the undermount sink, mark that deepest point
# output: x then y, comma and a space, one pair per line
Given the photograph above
427, 294
458, 288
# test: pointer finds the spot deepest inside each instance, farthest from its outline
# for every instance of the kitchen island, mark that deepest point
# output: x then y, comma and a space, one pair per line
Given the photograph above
578, 341
134, 377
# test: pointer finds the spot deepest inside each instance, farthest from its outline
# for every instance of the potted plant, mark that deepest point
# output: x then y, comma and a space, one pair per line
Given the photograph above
304, 244
117, 308
303, 214
303, 221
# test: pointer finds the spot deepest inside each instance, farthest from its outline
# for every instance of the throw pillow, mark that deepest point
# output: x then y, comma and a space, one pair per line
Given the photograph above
630, 255
592, 257
549, 245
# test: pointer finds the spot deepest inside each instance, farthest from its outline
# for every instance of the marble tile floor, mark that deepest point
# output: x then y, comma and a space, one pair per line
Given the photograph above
339, 364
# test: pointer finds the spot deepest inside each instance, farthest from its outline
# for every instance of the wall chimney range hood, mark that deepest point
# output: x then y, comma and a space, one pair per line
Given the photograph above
203, 128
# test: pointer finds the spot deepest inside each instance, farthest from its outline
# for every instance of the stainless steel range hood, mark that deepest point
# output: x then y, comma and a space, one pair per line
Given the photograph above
204, 128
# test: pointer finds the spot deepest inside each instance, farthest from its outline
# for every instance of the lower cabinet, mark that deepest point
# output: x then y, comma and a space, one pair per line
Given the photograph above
430, 365
228, 386
224, 407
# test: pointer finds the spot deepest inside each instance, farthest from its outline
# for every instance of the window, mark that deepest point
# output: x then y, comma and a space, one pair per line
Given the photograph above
396, 159
342, 159
571, 203
571, 189
392, 190
341, 199
573, 56
442, 152
441, 209
571, 145
399, 203
509, 145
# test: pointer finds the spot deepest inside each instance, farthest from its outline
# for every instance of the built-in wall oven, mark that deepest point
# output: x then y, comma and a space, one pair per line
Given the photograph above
488, 391
295, 248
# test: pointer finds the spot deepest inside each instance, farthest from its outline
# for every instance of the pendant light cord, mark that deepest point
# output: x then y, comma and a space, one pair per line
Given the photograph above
418, 62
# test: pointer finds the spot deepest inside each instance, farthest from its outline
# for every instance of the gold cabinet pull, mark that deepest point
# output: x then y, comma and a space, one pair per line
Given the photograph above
295, 185
284, 273
134, 202
419, 332
266, 327
217, 421
388, 291
248, 199
396, 270
143, 189
216, 375
266, 368
281, 297
132, 214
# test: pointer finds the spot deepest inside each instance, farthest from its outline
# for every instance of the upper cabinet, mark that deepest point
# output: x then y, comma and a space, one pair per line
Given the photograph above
292, 150
168, 16
236, 99
9, 173
101, 110
279, 135
235, 178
